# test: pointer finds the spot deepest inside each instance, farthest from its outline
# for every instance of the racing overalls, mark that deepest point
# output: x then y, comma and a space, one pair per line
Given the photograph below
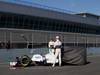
57, 46
51, 47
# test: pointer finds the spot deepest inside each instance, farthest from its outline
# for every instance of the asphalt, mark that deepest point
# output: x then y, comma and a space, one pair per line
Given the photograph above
91, 68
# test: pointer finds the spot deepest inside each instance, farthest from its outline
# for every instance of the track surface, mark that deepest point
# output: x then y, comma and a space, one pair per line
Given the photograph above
92, 68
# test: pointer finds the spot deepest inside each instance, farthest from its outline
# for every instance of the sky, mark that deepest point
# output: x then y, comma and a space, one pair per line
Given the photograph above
77, 6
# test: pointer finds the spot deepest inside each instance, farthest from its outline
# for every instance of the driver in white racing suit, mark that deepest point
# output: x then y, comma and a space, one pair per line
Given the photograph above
51, 46
57, 46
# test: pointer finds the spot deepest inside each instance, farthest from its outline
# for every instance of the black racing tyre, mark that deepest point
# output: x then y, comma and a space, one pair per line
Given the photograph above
25, 60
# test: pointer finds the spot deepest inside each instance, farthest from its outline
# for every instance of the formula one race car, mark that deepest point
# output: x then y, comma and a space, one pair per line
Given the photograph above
37, 59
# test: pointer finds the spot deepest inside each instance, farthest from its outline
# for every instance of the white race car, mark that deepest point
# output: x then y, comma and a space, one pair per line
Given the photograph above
37, 59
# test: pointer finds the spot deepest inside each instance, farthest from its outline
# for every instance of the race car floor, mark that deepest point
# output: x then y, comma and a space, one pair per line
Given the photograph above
91, 68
